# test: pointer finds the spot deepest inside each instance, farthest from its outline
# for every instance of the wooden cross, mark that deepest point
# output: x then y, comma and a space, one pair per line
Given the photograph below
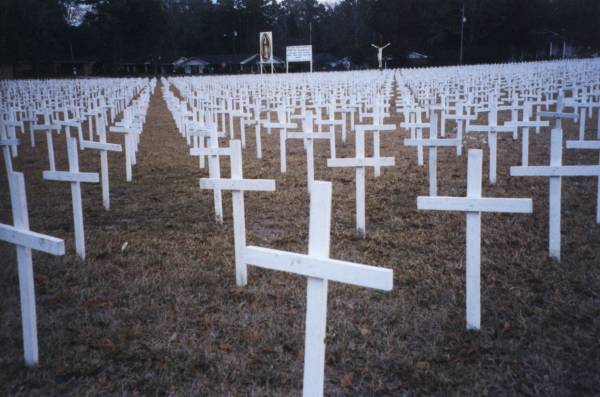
282, 125
474, 205
416, 131
256, 121
360, 162
11, 125
69, 123
559, 114
308, 135
103, 147
6, 143
460, 118
331, 124
377, 126
130, 134
214, 167
26, 241
555, 171
319, 270
492, 129
589, 145
47, 128
75, 178
238, 185
242, 116
526, 124
433, 143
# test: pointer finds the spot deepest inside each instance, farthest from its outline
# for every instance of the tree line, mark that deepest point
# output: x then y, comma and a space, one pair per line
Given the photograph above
114, 31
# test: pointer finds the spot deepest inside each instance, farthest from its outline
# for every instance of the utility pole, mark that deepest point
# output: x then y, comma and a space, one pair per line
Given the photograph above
463, 19
72, 59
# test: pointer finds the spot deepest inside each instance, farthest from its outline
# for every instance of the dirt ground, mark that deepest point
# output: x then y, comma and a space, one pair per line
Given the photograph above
164, 317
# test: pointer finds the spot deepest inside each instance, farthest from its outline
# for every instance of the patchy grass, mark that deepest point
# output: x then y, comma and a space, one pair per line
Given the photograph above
165, 317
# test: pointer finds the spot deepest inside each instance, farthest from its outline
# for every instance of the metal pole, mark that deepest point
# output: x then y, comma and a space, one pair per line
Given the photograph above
72, 59
462, 30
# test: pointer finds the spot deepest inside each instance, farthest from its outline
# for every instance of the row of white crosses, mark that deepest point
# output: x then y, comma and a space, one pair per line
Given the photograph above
26, 241
74, 176
316, 266
319, 270
555, 171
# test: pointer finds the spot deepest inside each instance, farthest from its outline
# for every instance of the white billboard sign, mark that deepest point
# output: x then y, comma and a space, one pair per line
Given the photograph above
298, 53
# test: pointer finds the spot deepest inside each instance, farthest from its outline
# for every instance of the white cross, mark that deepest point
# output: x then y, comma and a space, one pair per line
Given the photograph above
103, 147
319, 270
308, 135
256, 121
242, 116
559, 114
282, 126
377, 126
76, 178
47, 127
526, 124
214, 167
238, 185
416, 131
72, 123
360, 162
26, 241
433, 143
196, 134
460, 118
474, 205
130, 134
589, 145
492, 129
6, 143
11, 129
555, 171
331, 123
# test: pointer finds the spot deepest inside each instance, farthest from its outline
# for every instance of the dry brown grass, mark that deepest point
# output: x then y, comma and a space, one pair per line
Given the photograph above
165, 316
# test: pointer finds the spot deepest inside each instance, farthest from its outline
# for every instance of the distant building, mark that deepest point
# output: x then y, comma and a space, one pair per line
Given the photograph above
417, 59
221, 64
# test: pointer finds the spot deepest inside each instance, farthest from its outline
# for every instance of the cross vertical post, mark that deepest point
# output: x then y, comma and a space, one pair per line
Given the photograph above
473, 243
555, 194
316, 291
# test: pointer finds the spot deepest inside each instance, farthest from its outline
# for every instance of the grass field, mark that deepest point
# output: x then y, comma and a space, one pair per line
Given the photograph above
164, 317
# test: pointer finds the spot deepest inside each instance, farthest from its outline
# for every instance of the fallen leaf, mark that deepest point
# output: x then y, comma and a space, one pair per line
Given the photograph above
423, 365
96, 303
124, 246
347, 379
105, 344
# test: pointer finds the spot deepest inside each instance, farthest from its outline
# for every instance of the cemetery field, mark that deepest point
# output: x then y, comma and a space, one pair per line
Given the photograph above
155, 310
